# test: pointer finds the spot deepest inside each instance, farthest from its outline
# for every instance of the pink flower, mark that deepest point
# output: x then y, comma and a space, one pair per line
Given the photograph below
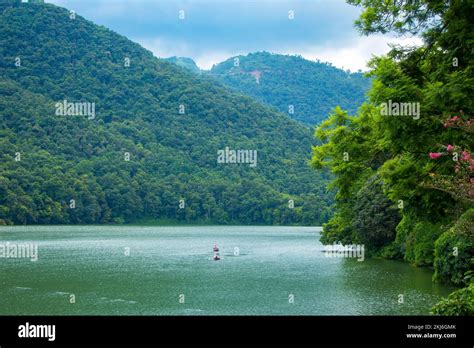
450, 148
465, 156
435, 155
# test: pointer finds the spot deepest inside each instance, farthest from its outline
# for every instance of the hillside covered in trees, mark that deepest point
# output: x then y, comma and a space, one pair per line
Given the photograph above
304, 90
95, 129
405, 180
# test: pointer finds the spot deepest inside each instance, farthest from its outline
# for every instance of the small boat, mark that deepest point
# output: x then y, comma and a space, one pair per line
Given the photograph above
216, 257
216, 248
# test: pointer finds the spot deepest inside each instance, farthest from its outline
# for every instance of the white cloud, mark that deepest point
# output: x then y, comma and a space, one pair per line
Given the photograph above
353, 56
163, 48
356, 55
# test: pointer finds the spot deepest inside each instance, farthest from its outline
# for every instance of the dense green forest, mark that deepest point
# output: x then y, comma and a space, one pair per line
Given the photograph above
405, 182
149, 149
304, 90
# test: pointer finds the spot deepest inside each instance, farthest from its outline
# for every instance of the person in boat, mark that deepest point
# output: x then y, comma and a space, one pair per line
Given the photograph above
216, 248
216, 257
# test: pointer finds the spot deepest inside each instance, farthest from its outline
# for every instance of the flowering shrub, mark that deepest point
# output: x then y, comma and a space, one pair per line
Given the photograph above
461, 184
461, 121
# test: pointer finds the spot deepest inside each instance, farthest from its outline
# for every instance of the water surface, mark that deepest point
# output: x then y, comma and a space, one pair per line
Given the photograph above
132, 270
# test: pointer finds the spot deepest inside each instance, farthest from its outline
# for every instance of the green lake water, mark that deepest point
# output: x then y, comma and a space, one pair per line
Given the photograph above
167, 266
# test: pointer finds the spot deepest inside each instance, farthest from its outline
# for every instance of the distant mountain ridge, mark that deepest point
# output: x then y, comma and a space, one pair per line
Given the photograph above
304, 90
184, 62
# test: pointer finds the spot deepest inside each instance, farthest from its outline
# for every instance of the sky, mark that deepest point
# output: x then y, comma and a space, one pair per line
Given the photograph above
211, 31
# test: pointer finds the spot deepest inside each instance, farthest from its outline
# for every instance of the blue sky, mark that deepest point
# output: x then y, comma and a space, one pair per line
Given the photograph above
214, 30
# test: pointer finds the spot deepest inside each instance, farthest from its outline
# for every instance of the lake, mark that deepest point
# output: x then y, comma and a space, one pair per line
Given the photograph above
264, 270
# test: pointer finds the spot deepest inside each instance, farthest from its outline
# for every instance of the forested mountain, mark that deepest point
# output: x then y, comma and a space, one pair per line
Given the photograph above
306, 91
95, 129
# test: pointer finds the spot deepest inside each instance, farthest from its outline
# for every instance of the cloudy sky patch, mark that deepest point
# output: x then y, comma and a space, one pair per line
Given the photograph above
214, 30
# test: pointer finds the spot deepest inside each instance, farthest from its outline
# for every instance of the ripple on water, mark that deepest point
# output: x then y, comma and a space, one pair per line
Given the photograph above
119, 300
193, 310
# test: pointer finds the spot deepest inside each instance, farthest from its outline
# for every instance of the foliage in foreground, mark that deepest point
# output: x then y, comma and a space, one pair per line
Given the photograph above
454, 251
459, 302
423, 156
